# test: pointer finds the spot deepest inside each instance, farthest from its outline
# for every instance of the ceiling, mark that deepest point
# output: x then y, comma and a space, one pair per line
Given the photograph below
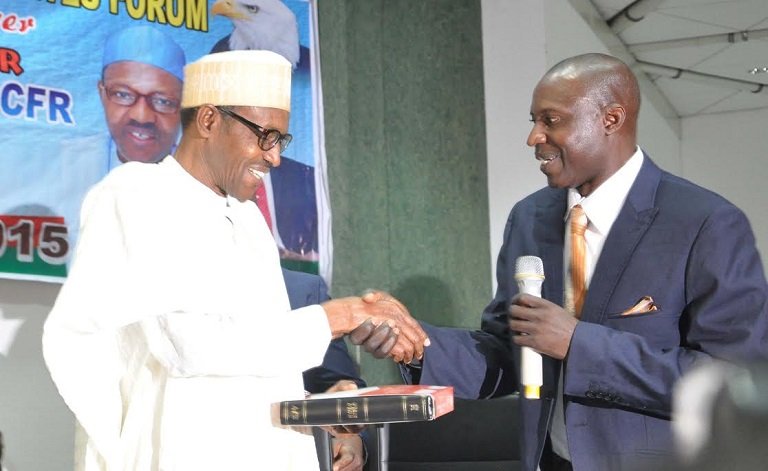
697, 52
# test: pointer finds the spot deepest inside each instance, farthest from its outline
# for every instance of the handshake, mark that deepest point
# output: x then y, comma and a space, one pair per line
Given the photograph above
378, 322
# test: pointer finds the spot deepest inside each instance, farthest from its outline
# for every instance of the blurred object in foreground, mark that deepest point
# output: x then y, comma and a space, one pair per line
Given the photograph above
721, 417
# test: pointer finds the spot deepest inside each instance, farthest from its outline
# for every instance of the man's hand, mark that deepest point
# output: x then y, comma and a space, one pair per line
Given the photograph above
378, 341
379, 322
548, 328
382, 340
348, 454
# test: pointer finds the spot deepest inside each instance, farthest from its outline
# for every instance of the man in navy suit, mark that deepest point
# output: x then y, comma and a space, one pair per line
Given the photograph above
673, 279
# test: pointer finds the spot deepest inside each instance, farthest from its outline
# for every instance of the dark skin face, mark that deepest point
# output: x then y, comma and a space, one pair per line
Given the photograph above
140, 133
583, 132
572, 134
232, 163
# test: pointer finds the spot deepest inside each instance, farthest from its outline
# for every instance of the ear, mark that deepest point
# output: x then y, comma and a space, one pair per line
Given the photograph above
614, 116
102, 92
207, 119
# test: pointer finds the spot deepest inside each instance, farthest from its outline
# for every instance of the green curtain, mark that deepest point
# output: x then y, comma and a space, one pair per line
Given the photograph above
405, 143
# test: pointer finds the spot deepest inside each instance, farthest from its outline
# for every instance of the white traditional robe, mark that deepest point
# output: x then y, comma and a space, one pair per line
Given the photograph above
173, 334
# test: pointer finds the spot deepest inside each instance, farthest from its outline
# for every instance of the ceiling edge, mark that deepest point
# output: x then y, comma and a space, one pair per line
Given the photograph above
653, 95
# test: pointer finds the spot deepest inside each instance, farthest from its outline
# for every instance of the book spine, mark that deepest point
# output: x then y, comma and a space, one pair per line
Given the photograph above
357, 410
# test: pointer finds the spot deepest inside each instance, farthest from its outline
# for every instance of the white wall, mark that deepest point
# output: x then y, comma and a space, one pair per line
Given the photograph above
726, 152
37, 427
513, 61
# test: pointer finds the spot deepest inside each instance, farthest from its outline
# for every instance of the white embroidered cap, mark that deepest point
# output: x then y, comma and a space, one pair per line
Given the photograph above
238, 78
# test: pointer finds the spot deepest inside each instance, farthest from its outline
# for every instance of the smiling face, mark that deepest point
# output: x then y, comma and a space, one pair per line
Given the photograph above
237, 164
569, 135
140, 132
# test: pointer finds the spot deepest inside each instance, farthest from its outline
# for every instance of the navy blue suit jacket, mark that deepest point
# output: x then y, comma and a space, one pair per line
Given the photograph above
305, 289
688, 248
293, 188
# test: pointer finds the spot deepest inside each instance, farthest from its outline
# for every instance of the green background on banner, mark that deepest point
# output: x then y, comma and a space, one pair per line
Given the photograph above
9, 263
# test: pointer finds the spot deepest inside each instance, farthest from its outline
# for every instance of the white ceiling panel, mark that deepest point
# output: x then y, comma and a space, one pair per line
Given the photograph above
671, 20
667, 4
727, 14
682, 57
740, 101
761, 24
659, 27
609, 8
736, 61
691, 98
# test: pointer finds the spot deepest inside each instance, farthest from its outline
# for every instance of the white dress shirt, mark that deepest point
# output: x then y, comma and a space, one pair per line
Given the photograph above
602, 207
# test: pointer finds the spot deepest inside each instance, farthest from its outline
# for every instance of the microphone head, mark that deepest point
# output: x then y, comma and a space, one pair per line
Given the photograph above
529, 266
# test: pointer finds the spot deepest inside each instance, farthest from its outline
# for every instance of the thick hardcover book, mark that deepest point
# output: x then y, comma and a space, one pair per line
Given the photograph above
373, 405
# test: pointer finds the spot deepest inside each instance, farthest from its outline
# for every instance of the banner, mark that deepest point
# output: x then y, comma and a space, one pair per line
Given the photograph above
72, 108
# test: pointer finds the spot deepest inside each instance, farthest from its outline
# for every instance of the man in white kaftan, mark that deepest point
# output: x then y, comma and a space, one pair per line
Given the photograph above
173, 334
156, 247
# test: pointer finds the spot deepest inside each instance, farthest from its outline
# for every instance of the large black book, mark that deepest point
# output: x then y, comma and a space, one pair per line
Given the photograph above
373, 405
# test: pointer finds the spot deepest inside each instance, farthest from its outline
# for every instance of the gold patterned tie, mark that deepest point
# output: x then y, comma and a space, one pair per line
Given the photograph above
578, 257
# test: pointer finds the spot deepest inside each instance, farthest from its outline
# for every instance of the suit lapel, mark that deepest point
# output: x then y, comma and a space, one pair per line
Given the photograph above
633, 221
549, 230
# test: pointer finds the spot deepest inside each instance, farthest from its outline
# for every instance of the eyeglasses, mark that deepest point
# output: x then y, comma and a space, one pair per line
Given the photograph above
268, 138
126, 96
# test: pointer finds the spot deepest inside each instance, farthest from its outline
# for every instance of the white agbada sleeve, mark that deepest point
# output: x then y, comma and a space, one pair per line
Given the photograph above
161, 275
192, 344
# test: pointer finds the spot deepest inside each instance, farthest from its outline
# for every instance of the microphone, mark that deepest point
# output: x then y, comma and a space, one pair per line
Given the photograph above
529, 273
